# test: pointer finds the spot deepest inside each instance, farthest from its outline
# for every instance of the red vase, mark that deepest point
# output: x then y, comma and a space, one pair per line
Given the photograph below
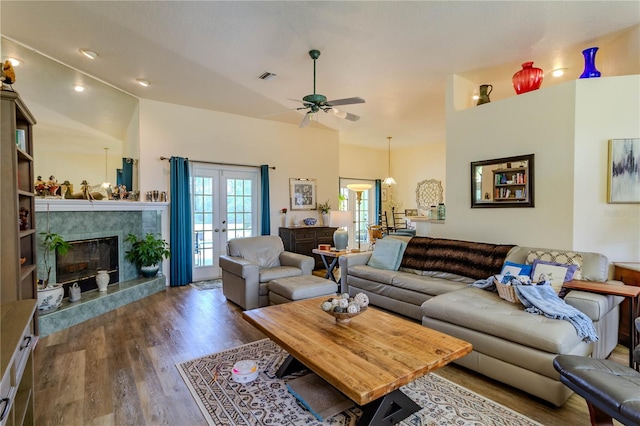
528, 78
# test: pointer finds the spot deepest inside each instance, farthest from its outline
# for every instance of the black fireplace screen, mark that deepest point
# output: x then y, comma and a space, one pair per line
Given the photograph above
85, 259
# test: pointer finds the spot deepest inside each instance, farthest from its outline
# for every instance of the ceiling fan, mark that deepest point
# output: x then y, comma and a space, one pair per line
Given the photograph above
317, 102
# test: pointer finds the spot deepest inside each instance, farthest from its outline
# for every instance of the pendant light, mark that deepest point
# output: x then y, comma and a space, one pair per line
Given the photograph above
106, 184
389, 180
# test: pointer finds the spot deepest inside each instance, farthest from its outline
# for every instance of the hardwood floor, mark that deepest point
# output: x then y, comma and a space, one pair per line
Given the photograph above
119, 368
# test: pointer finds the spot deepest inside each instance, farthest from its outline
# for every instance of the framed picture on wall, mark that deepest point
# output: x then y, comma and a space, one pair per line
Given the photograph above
302, 193
384, 194
624, 171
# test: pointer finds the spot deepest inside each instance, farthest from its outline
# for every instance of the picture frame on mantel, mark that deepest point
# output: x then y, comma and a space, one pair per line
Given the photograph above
302, 193
623, 178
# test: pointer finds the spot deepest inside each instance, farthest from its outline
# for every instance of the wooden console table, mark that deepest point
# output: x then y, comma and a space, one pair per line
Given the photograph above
303, 239
629, 292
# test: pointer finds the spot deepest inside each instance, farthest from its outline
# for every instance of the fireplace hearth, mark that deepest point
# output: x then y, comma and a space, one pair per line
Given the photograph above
84, 260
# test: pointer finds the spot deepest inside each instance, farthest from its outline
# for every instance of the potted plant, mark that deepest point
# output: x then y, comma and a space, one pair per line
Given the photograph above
324, 209
50, 294
147, 253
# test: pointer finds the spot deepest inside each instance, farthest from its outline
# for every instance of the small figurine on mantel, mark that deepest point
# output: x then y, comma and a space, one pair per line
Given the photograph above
7, 75
85, 193
53, 186
40, 186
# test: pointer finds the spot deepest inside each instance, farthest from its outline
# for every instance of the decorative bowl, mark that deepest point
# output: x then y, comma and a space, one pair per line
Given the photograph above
343, 307
310, 221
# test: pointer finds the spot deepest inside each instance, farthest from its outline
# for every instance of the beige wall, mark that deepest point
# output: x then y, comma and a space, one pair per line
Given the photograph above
174, 130
567, 127
605, 109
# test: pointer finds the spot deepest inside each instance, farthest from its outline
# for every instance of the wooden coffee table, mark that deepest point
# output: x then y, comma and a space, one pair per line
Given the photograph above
368, 359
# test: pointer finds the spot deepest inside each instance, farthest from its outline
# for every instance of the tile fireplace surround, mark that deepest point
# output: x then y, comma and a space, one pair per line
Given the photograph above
83, 219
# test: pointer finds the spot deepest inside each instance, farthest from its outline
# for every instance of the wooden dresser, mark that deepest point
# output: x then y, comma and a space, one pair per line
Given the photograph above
628, 273
303, 239
16, 358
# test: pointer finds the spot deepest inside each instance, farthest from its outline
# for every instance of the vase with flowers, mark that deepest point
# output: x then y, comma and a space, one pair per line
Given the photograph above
283, 217
324, 209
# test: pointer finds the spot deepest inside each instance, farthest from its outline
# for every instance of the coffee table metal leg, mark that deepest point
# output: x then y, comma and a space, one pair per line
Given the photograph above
289, 366
388, 410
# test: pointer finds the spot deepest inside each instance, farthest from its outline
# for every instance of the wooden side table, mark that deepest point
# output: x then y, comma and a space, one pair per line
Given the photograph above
629, 292
330, 266
628, 273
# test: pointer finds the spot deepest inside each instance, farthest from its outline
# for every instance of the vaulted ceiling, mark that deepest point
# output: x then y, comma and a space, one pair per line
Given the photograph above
396, 55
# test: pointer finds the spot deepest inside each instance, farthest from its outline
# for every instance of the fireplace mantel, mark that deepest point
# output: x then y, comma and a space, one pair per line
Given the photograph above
67, 205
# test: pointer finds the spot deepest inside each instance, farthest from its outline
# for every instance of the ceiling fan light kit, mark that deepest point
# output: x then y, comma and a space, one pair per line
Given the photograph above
317, 102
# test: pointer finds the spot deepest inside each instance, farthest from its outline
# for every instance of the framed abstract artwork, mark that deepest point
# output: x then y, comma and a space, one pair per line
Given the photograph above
624, 171
302, 193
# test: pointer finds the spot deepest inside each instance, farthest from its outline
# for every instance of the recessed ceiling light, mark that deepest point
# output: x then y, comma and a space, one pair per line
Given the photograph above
89, 53
143, 83
79, 88
15, 62
558, 72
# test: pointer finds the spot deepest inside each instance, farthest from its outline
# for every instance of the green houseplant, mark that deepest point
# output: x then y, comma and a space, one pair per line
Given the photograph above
50, 294
52, 244
147, 253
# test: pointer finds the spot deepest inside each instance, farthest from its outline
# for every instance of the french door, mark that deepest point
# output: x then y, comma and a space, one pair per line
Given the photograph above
224, 204
363, 213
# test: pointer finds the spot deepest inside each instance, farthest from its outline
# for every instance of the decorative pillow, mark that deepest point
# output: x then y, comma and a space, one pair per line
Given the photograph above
561, 257
556, 273
511, 268
387, 254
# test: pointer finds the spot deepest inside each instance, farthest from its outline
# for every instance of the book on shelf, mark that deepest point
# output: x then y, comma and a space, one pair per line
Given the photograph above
20, 139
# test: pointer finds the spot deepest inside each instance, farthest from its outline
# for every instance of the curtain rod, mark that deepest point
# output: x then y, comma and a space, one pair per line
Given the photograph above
222, 164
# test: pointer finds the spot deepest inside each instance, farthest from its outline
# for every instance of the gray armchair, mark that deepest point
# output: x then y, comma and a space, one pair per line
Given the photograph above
249, 265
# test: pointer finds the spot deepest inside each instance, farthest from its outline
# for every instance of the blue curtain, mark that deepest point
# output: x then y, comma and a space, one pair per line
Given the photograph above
127, 173
265, 224
378, 201
181, 259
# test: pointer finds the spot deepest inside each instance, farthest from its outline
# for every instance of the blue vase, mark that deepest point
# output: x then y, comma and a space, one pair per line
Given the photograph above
590, 70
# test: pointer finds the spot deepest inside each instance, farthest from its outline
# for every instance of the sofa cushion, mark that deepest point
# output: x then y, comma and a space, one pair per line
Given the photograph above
560, 257
387, 254
556, 273
512, 268
484, 311
263, 251
279, 272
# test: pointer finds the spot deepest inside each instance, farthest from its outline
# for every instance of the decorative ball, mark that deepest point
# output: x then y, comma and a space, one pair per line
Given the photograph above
345, 296
353, 308
362, 299
343, 303
326, 306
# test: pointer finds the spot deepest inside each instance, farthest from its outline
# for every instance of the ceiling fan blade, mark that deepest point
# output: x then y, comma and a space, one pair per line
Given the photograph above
306, 120
346, 101
342, 114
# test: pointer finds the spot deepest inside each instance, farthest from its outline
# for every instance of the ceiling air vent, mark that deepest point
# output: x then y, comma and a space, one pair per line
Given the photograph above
267, 76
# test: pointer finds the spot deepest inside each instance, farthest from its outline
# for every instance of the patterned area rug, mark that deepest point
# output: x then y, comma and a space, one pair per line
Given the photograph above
207, 285
266, 400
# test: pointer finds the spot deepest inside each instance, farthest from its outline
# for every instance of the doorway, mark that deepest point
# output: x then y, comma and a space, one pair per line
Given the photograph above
365, 212
224, 204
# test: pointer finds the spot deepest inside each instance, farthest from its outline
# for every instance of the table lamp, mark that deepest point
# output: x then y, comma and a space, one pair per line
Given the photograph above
340, 219
358, 188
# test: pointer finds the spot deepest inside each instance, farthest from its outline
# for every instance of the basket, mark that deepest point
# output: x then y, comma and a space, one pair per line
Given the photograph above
345, 317
506, 292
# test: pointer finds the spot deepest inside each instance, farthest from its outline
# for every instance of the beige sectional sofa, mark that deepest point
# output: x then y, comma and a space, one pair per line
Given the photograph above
510, 345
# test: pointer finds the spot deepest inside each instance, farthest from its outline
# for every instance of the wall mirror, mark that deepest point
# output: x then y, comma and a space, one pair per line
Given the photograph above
78, 136
503, 182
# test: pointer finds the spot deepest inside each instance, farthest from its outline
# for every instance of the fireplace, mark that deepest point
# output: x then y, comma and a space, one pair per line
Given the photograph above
84, 260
